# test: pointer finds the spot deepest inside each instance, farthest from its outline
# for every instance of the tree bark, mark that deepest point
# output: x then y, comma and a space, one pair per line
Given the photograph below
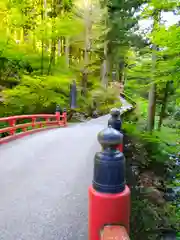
59, 47
152, 91
52, 56
164, 104
121, 71
53, 41
87, 14
151, 108
104, 70
152, 98
67, 51
42, 40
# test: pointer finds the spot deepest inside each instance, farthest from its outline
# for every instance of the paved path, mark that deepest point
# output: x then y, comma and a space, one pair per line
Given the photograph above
44, 180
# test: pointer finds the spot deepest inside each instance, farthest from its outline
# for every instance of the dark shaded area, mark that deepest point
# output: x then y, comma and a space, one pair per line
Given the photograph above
150, 217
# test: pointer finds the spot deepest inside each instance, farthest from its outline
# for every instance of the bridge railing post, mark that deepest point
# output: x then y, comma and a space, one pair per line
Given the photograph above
12, 124
61, 116
33, 122
116, 123
109, 196
65, 117
58, 110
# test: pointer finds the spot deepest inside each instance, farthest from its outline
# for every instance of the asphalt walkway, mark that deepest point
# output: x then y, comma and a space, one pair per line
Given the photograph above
44, 180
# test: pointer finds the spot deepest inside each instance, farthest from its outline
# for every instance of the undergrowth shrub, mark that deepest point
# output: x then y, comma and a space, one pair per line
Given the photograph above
99, 99
36, 95
149, 153
158, 143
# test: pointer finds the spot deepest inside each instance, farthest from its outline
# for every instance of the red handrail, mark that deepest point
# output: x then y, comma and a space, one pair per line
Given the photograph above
37, 122
114, 233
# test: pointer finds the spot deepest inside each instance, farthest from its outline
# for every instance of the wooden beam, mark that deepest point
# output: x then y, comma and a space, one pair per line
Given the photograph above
114, 233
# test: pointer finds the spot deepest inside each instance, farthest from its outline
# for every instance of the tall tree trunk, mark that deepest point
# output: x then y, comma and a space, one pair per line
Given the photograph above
67, 51
25, 34
42, 56
53, 41
86, 62
42, 40
105, 64
152, 98
52, 56
34, 40
62, 48
59, 47
125, 76
104, 71
71, 54
163, 107
46, 42
121, 71
86, 47
45, 8
152, 91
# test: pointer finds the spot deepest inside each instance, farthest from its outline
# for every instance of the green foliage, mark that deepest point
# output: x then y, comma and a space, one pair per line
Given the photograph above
156, 143
148, 217
100, 99
122, 20
33, 55
37, 95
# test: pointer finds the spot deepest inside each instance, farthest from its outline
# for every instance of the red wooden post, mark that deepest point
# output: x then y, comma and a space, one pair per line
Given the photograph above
24, 129
58, 114
12, 124
33, 122
109, 196
46, 120
65, 117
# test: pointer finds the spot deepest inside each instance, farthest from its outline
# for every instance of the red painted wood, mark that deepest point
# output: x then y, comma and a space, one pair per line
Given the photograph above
25, 125
12, 123
23, 134
18, 117
120, 147
65, 118
114, 233
33, 121
58, 116
49, 120
107, 208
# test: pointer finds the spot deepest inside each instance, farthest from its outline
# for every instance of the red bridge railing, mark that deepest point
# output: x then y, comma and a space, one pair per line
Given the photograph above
34, 123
